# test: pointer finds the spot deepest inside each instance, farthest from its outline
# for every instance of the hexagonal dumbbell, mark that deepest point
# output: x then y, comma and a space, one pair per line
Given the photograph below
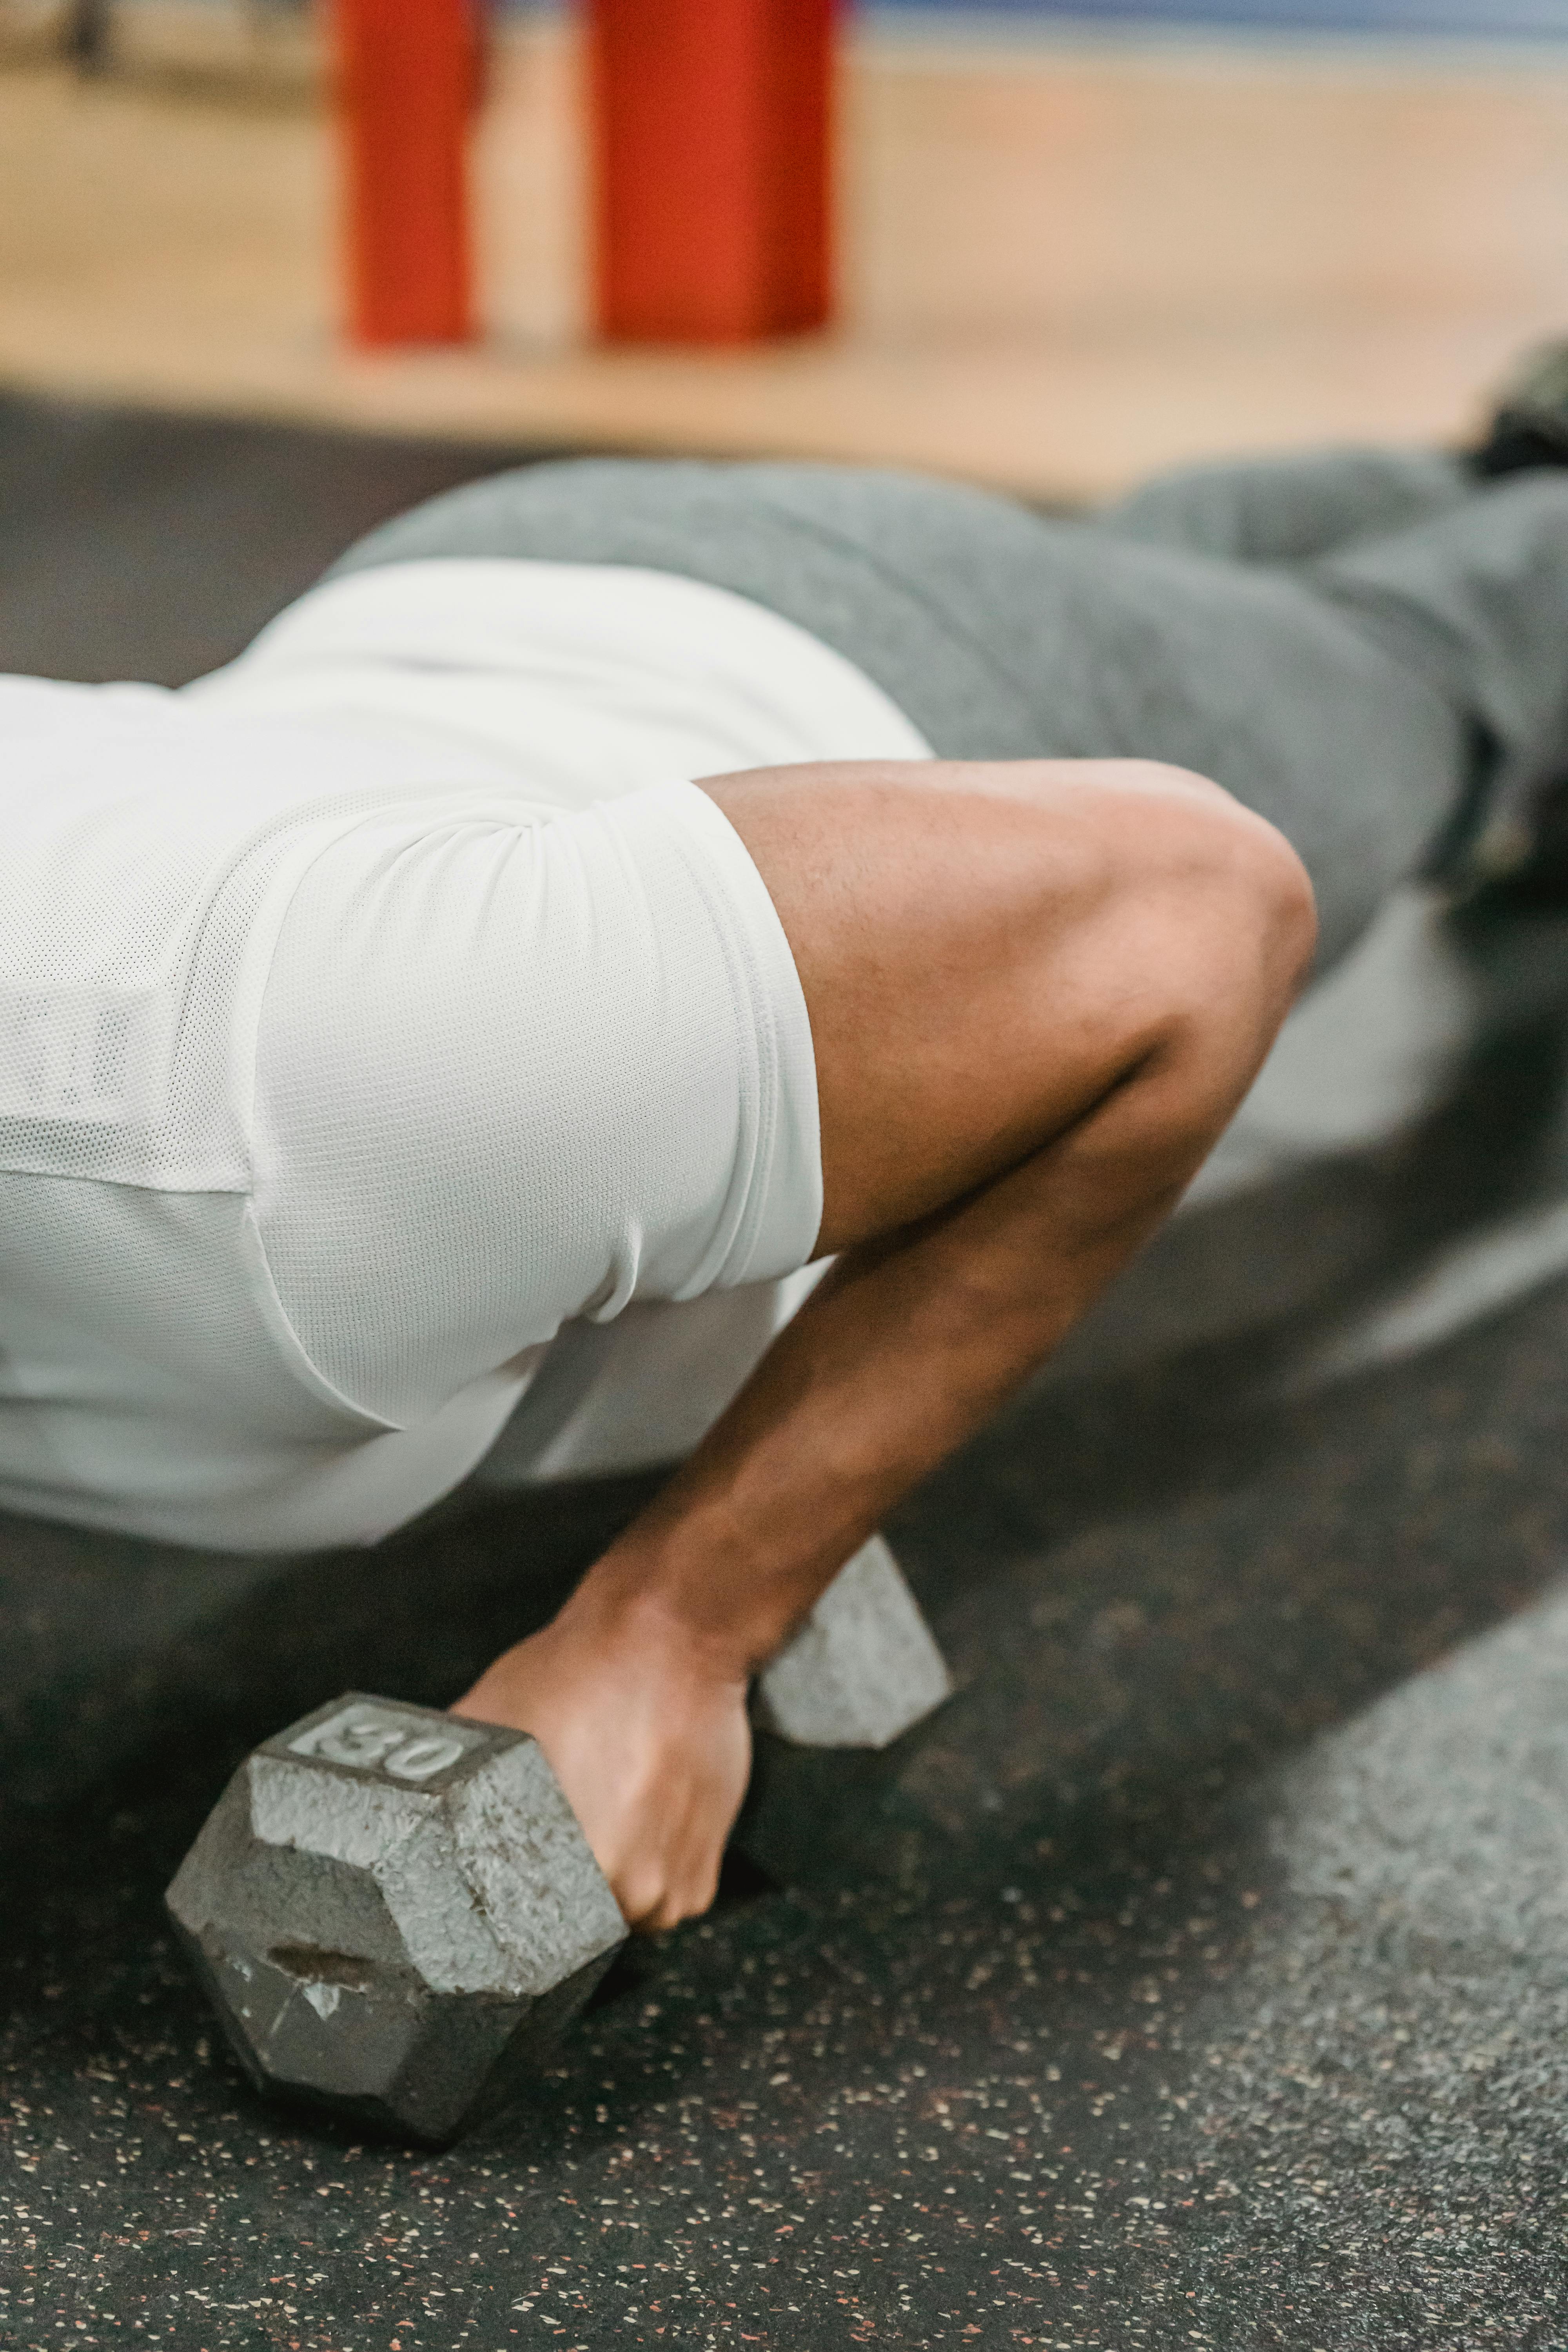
395, 1912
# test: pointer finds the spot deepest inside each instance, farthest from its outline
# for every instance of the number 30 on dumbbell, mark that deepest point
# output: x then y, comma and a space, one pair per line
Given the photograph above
395, 1912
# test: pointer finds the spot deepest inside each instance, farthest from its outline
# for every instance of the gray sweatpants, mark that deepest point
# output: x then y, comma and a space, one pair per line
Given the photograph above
1366, 646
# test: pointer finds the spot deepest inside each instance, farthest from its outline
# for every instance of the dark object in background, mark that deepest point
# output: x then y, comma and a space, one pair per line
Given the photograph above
242, 518
87, 30
1530, 426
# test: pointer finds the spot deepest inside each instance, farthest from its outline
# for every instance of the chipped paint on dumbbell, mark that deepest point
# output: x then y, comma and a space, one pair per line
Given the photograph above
395, 1910
864, 1667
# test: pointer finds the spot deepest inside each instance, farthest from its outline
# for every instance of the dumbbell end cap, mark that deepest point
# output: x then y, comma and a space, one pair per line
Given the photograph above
864, 1668
394, 1913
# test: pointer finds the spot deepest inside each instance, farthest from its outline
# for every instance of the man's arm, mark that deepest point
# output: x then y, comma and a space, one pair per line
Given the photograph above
1037, 992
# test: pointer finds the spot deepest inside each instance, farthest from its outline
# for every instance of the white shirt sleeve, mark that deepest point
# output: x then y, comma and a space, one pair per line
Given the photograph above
513, 1072
43, 706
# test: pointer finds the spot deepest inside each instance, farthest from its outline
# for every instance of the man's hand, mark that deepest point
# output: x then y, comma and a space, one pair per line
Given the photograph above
649, 1740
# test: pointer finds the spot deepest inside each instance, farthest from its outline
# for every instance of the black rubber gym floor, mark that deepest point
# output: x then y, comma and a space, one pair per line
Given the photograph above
1199, 1976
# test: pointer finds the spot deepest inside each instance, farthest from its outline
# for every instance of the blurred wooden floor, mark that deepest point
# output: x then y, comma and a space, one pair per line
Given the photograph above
1062, 264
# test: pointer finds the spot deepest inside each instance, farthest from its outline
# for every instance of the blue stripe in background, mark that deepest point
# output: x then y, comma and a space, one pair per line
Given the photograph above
1470, 19
1502, 20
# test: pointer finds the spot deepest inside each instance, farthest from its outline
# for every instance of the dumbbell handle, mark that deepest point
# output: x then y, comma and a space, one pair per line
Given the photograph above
860, 1672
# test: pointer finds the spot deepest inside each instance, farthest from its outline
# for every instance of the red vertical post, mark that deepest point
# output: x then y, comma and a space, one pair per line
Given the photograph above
406, 78
711, 123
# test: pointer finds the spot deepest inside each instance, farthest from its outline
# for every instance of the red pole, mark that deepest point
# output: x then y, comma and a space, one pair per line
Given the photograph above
407, 72
711, 123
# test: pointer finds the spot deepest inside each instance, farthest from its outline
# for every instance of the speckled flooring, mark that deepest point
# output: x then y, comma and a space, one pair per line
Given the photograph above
1198, 1977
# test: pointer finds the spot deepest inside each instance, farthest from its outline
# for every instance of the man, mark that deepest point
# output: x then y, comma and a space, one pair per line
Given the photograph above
408, 1073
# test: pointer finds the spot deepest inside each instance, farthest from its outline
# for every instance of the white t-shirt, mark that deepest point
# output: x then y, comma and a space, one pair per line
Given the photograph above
588, 680
373, 1008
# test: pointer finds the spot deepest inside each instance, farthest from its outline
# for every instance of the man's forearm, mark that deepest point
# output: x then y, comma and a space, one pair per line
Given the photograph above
903, 1350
